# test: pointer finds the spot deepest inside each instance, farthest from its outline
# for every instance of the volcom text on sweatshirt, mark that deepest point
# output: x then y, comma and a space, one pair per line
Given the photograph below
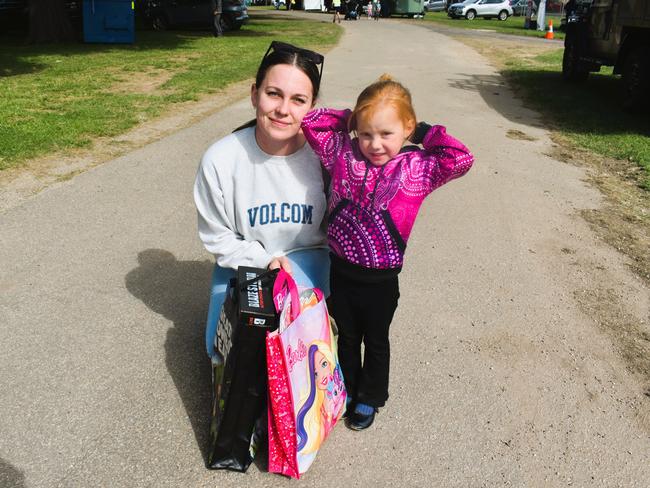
253, 206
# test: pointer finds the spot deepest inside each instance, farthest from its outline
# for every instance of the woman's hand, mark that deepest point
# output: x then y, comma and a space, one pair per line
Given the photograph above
280, 262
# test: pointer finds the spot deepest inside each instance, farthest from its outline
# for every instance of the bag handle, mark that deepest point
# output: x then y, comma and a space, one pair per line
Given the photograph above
285, 286
267, 274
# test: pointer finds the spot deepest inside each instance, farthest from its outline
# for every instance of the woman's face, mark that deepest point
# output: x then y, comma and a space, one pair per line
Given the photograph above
283, 99
322, 371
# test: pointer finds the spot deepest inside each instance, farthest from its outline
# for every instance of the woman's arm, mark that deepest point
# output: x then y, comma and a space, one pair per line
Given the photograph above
218, 233
326, 131
444, 157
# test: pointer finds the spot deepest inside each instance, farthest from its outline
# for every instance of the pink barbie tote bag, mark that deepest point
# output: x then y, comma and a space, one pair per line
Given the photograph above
306, 390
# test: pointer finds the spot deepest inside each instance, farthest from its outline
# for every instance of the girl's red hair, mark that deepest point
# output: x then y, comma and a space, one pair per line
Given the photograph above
386, 90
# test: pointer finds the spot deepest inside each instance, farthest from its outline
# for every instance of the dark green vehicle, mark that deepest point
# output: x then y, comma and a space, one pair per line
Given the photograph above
167, 14
404, 8
610, 33
14, 14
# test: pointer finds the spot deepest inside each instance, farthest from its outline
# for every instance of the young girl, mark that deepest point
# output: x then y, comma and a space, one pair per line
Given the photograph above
376, 189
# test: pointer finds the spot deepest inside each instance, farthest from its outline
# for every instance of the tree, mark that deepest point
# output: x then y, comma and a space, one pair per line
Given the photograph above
49, 22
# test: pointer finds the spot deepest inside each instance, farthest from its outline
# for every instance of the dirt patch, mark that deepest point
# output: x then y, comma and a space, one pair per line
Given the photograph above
149, 80
633, 340
498, 55
141, 82
17, 184
519, 135
623, 221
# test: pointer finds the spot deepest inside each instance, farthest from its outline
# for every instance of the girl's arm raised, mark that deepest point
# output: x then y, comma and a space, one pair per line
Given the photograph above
326, 131
446, 157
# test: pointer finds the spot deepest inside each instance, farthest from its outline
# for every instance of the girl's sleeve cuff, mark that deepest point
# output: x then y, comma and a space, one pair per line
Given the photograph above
420, 132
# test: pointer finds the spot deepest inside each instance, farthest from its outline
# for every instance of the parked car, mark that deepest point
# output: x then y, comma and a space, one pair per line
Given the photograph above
164, 14
519, 7
610, 34
470, 9
435, 5
14, 14
12, 5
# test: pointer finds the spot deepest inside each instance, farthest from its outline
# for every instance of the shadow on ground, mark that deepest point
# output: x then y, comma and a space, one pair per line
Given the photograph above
18, 58
564, 105
496, 93
179, 291
10, 476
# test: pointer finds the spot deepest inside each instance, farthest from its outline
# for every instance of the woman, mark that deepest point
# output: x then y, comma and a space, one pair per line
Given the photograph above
259, 191
336, 5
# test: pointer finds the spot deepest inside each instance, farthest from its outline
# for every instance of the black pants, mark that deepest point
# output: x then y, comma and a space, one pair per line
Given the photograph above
363, 313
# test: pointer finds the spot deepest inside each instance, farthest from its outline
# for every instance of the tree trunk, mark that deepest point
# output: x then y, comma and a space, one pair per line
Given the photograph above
49, 22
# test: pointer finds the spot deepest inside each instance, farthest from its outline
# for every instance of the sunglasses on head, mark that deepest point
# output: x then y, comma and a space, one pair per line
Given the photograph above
313, 56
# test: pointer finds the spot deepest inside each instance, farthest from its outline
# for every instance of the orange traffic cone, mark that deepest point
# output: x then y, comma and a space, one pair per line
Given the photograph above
549, 32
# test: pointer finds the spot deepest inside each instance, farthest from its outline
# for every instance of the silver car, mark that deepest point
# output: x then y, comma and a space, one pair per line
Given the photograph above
435, 5
470, 9
520, 7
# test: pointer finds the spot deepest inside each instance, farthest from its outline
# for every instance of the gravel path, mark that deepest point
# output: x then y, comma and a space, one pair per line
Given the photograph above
500, 376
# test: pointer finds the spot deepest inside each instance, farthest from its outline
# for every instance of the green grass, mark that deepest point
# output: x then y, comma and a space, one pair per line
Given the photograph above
512, 26
60, 97
589, 114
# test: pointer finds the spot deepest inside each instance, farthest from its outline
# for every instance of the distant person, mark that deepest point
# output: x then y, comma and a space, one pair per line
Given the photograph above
354, 10
349, 10
217, 10
376, 9
377, 187
336, 5
570, 8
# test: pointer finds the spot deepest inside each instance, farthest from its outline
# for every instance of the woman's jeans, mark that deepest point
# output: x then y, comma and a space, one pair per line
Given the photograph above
309, 267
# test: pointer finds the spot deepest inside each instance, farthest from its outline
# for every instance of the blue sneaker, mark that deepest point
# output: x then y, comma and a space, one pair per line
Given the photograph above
362, 417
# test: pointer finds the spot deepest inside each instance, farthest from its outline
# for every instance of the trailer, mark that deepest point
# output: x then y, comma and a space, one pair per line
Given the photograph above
609, 33
404, 8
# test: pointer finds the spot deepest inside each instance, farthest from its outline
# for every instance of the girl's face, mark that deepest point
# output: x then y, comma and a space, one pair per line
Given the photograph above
283, 99
382, 135
322, 371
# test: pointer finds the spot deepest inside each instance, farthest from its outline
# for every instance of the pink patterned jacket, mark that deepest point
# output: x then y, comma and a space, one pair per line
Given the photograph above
372, 209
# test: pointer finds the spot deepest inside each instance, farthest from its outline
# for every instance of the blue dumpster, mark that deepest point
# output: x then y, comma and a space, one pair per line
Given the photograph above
109, 21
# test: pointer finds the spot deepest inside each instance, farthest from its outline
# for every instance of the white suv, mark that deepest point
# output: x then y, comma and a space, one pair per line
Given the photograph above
470, 9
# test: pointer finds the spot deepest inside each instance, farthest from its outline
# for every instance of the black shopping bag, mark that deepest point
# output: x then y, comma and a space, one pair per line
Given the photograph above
239, 369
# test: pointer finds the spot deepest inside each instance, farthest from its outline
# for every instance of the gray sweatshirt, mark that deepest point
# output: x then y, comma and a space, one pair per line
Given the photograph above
253, 207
